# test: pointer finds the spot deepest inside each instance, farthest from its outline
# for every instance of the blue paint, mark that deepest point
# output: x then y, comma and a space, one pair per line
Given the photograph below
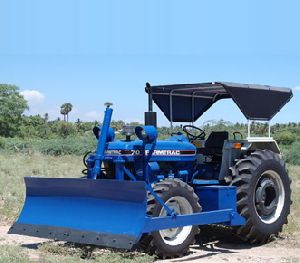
216, 197
169, 210
87, 214
205, 182
100, 151
204, 218
147, 134
118, 206
119, 169
166, 145
129, 174
105, 206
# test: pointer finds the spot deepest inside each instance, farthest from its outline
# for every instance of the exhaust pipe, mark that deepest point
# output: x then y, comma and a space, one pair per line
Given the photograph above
150, 115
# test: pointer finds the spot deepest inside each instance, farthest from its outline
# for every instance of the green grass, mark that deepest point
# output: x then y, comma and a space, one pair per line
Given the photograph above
14, 167
93, 254
13, 254
52, 252
56, 146
293, 226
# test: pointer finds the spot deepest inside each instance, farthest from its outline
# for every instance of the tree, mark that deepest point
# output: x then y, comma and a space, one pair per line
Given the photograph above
65, 109
285, 137
117, 125
46, 117
12, 106
63, 129
34, 127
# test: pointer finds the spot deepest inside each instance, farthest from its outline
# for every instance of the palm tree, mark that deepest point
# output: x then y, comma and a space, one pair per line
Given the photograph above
46, 117
63, 112
65, 109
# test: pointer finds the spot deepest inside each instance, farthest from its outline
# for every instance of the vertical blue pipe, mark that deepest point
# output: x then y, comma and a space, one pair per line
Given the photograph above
100, 151
119, 169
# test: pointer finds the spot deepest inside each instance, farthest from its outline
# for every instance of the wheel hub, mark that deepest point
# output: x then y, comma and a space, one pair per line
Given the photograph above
175, 236
269, 197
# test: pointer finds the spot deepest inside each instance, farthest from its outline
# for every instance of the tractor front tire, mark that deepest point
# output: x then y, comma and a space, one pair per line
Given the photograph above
263, 195
175, 242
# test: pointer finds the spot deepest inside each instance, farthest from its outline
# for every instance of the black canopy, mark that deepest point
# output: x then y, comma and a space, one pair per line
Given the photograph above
187, 102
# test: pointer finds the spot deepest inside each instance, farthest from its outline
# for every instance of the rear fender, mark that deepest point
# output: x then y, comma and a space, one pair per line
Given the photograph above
262, 144
230, 154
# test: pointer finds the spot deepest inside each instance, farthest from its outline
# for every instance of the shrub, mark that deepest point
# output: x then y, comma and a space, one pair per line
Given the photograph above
75, 145
64, 129
2, 143
293, 154
58, 146
286, 137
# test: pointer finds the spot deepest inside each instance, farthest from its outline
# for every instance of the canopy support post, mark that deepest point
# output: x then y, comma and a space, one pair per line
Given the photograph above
193, 108
269, 129
150, 102
171, 111
249, 128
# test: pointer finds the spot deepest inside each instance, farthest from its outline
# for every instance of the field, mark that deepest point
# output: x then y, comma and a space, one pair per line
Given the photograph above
14, 167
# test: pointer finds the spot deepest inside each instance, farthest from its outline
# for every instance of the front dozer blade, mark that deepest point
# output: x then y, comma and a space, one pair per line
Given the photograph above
101, 212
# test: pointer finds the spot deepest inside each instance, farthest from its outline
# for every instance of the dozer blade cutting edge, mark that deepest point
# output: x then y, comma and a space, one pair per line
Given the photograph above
101, 212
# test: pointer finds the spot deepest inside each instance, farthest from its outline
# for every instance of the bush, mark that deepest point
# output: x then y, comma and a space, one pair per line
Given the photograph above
64, 129
2, 143
285, 138
59, 146
293, 154
76, 146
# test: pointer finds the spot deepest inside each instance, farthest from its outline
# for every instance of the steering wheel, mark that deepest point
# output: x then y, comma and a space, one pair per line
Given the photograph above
237, 133
193, 132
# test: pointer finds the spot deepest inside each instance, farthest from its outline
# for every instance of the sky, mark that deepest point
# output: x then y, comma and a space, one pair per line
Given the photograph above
88, 52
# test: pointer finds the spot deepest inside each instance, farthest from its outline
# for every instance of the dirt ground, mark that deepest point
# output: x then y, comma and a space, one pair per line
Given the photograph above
218, 250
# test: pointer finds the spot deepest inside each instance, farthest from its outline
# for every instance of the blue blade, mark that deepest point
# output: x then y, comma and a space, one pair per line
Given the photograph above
102, 212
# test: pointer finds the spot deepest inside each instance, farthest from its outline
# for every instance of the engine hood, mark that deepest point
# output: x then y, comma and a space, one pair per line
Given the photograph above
172, 149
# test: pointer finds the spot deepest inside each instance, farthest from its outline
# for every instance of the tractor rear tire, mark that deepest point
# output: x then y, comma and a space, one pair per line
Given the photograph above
171, 243
263, 195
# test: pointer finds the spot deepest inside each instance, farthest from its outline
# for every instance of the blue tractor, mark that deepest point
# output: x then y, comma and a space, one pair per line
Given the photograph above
154, 194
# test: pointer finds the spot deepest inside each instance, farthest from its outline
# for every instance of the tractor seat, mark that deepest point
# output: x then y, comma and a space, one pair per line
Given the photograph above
214, 143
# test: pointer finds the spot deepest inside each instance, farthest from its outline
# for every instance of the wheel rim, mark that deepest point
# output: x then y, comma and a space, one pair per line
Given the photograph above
176, 236
269, 197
